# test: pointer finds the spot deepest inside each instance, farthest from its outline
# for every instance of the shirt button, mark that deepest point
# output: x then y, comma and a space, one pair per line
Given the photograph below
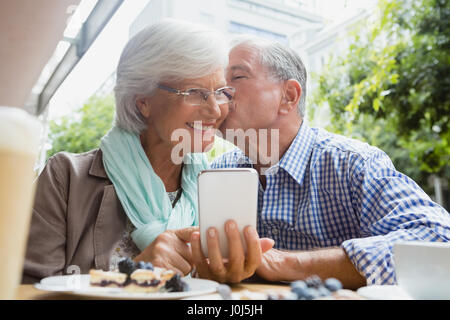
274, 231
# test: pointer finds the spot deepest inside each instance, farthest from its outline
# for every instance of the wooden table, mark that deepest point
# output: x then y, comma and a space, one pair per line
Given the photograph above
29, 292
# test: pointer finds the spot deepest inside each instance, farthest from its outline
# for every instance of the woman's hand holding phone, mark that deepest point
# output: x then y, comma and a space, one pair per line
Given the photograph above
241, 264
227, 247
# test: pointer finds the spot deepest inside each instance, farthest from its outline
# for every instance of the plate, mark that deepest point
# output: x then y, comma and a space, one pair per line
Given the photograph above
79, 285
243, 295
386, 292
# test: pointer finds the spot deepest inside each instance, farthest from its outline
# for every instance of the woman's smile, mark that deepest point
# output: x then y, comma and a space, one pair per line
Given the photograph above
200, 126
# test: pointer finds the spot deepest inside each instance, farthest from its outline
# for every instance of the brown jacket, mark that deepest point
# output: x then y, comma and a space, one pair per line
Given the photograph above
77, 218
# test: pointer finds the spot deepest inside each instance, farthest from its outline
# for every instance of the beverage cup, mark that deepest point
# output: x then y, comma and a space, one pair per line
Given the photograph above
19, 144
423, 269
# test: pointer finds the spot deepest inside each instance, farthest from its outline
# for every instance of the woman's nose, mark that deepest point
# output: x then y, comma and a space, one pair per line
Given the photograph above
211, 108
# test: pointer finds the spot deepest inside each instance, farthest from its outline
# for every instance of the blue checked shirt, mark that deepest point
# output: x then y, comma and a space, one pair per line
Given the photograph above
328, 190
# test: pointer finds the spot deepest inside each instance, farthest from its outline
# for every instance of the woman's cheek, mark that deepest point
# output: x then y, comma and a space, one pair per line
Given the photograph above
224, 108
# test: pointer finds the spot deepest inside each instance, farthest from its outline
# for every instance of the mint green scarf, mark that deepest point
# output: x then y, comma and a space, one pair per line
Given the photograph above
142, 192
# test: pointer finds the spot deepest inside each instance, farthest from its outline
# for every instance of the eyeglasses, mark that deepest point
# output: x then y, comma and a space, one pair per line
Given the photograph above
198, 96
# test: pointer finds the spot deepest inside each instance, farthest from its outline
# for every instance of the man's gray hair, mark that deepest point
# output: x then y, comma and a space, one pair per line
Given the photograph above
282, 62
170, 50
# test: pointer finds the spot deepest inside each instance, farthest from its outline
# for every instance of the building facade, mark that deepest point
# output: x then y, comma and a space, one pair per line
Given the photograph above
295, 23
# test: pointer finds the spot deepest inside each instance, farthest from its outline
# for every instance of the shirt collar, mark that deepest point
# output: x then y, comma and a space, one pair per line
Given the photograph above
295, 160
97, 169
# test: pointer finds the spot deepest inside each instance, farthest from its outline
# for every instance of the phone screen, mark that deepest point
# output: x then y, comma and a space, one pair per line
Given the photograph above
227, 194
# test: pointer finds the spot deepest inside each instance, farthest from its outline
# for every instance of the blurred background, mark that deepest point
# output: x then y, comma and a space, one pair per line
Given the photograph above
379, 71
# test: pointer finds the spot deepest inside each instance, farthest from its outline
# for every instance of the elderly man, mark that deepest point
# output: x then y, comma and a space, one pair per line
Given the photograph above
334, 206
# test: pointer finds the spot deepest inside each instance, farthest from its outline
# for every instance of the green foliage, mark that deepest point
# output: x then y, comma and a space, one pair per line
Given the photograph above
391, 88
82, 130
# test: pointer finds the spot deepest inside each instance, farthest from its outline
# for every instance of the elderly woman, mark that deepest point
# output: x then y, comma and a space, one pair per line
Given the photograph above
134, 197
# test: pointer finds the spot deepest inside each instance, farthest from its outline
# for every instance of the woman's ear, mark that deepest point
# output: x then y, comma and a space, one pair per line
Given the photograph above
144, 106
291, 96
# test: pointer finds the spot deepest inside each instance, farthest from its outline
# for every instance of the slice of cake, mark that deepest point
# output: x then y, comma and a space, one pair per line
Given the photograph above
100, 278
139, 277
145, 280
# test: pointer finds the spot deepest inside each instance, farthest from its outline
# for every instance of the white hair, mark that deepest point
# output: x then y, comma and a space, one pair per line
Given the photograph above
282, 62
170, 50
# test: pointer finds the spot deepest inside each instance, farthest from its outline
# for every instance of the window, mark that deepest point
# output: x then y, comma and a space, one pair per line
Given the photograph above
235, 27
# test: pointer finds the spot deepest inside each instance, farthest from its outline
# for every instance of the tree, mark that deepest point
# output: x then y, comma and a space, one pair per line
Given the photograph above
82, 130
392, 86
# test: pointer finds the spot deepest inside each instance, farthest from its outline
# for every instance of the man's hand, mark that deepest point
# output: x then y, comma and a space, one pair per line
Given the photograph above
239, 265
170, 250
278, 265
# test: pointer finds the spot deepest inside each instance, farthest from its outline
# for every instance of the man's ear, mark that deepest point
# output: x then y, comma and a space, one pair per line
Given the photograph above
291, 96
144, 106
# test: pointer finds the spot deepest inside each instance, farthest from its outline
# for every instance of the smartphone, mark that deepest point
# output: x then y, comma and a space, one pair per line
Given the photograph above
225, 194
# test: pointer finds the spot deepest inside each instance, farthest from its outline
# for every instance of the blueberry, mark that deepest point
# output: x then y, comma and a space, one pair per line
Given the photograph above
144, 265
324, 292
127, 266
150, 266
313, 282
298, 284
224, 291
311, 293
300, 289
176, 284
333, 284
